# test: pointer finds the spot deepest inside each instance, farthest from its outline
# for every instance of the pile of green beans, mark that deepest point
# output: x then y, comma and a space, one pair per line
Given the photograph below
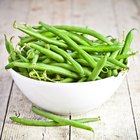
67, 53
56, 120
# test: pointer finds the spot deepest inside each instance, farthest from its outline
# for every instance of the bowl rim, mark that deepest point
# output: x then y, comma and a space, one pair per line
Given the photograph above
121, 73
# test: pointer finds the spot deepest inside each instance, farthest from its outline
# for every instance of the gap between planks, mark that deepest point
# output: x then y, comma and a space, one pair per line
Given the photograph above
6, 111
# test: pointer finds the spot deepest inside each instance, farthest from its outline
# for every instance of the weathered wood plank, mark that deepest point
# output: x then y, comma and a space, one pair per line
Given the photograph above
8, 12
45, 12
130, 19
97, 14
117, 111
61, 11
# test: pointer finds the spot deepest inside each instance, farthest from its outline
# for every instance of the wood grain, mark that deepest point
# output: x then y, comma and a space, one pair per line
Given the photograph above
8, 12
120, 114
126, 21
118, 109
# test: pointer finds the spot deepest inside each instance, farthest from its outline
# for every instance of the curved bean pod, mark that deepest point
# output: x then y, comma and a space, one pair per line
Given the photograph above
47, 52
96, 71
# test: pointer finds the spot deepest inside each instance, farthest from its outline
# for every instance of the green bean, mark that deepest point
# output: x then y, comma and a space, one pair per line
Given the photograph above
85, 39
10, 48
67, 80
40, 37
7, 44
114, 72
83, 79
47, 52
101, 48
123, 56
113, 55
98, 41
76, 38
30, 53
71, 43
109, 73
74, 55
67, 56
47, 61
116, 62
40, 66
22, 57
70, 67
76, 65
85, 31
96, 71
42, 57
128, 41
84, 62
61, 120
49, 123
27, 39
35, 59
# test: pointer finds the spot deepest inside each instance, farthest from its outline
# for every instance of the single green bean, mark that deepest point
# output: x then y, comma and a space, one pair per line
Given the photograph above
128, 41
35, 59
71, 43
47, 61
101, 48
47, 52
27, 39
10, 49
123, 56
116, 62
40, 66
83, 79
7, 44
42, 57
113, 55
67, 80
61, 120
96, 71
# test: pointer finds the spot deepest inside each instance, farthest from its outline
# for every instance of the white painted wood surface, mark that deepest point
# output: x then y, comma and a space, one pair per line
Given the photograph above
120, 114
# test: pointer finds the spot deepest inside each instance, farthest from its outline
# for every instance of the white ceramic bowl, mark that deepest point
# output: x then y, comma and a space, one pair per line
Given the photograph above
68, 98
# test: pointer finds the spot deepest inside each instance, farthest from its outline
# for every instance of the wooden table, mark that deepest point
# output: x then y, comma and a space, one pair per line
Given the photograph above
120, 114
